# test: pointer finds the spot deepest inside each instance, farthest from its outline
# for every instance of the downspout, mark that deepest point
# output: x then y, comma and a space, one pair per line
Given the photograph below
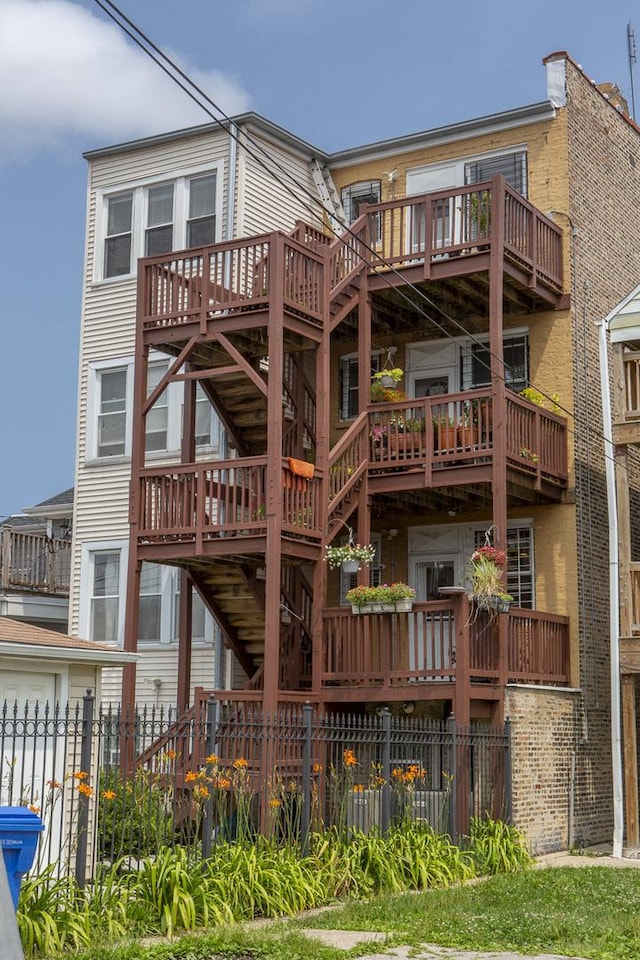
614, 595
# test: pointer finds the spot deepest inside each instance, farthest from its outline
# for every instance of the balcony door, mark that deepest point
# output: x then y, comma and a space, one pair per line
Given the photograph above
431, 637
430, 180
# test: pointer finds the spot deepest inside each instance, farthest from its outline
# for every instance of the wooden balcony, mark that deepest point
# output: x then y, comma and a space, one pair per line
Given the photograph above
451, 441
34, 563
414, 656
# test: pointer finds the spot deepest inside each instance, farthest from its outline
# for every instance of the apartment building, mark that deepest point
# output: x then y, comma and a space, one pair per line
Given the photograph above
477, 260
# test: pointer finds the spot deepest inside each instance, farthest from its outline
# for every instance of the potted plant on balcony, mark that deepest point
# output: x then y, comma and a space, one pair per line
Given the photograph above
380, 394
486, 572
388, 376
385, 598
349, 555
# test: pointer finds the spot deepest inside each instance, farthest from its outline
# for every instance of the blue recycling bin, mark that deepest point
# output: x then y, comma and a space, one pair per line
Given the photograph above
20, 829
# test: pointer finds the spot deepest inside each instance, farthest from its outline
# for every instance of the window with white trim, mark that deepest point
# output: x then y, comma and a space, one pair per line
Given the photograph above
357, 195
105, 597
512, 166
155, 218
112, 412
520, 574
109, 406
349, 383
103, 592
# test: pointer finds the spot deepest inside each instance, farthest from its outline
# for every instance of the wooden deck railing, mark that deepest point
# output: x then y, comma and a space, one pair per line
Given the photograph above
31, 561
458, 429
462, 221
391, 649
222, 498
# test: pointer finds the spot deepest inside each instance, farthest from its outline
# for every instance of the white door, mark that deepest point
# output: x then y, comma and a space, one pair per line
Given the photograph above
446, 226
431, 645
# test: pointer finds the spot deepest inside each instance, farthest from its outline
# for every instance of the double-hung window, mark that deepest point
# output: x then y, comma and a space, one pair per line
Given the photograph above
105, 596
157, 420
112, 413
118, 235
152, 219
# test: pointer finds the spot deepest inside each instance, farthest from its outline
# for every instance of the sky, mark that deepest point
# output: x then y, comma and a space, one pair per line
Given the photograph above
337, 73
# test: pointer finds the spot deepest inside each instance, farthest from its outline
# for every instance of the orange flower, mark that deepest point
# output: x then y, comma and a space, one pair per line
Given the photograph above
211, 758
274, 802
171, 754
85, 790
317, 768
201, 791
358, 788
240, 763
34, 809
349, 758
223, 783
190, 776
109, 794
81, 775
54, 784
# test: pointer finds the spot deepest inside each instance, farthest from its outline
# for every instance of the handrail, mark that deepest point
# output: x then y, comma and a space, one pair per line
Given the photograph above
35, 562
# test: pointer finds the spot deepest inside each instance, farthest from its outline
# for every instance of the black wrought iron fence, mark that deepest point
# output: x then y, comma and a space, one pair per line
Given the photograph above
110, 786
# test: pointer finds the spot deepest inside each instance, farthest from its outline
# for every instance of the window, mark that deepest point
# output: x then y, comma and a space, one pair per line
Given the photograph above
476, 363
109, 405
357, 195
349, 384
112, 387
158, 417
519, 563
153, 219
201, 224
150, 610
159, 232
105, 597
512, 166
117, 245
200, 620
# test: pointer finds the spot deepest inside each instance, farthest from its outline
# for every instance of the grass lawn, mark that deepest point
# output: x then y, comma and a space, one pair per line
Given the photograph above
591, 912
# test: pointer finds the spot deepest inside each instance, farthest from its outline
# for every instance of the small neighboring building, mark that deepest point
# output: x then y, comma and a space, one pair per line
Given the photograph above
35, 563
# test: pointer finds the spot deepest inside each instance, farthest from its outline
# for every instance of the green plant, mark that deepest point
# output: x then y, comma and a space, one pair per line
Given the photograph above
395, 373
384, 593
533, 396
335, 556
380, 394
529, 454
497, 847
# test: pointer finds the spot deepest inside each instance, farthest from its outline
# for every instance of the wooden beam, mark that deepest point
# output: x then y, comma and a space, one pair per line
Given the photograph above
630, 759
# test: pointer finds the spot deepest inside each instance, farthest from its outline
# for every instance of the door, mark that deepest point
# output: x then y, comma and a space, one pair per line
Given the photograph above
430, 180
432, 637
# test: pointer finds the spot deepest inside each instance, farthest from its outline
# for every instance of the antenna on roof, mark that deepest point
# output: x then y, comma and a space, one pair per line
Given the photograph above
631, 45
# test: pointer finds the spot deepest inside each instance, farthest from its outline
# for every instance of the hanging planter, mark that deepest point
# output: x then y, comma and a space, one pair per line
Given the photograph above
388, 377
486, 569
349, 553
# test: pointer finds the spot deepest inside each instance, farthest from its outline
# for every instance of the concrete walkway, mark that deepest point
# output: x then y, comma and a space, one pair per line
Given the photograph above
347, 939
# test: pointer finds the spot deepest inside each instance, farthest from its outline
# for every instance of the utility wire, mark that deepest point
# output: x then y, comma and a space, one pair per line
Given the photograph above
135, 33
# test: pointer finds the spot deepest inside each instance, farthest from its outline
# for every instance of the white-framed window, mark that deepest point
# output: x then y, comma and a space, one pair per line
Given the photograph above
520, 572
349, 382
357, 195
110, 403
103, 582
157, 216
512, 166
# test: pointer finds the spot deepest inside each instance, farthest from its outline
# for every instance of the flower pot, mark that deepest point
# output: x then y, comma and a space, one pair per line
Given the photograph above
377, 607
468, 436
386, 381
350, 566
365, 608
355, 609
404, 444
389, 607
445, 437
404, 606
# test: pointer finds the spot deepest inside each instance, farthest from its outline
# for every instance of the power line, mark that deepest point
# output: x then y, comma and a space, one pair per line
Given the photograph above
158, 55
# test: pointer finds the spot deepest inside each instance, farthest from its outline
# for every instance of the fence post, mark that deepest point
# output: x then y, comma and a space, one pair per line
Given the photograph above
211, 723
83, 799
385, 819
508, 784
307, 715
451, 733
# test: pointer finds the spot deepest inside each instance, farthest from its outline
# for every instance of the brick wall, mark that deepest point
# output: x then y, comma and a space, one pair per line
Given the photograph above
545, 738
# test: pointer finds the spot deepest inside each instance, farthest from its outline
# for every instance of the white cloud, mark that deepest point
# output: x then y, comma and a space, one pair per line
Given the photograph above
65, 72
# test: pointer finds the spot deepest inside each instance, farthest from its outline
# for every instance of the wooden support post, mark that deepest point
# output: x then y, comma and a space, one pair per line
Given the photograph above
630, 759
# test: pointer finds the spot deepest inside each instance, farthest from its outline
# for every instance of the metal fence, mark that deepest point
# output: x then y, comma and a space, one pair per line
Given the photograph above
110, 786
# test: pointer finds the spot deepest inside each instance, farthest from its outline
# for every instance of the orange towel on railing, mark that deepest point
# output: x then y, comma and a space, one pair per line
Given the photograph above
301, 468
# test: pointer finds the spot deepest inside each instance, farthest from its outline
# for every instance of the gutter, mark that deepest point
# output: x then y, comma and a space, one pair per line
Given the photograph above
614, 593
